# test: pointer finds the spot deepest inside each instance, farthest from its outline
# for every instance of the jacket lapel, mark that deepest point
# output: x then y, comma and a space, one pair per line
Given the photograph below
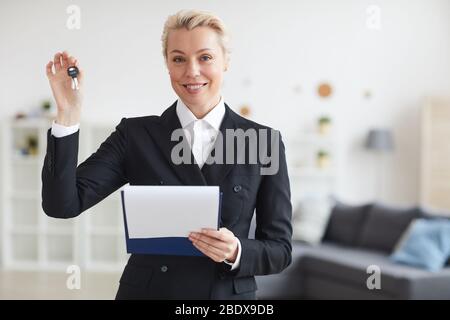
189, 174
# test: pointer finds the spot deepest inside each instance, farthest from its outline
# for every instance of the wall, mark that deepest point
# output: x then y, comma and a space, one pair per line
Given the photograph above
277, 47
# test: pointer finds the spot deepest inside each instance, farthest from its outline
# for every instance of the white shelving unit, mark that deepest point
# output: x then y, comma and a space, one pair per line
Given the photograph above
308, 178
94, 240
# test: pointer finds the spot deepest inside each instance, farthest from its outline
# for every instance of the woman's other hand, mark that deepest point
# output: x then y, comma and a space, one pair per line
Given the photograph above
219, 245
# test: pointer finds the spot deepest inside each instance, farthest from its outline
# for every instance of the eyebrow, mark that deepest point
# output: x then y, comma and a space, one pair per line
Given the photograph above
179, 51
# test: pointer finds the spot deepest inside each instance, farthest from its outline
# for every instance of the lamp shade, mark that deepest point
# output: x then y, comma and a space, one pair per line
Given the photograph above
380, 140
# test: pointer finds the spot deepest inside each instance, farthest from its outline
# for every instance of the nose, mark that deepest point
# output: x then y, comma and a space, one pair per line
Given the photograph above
193, 69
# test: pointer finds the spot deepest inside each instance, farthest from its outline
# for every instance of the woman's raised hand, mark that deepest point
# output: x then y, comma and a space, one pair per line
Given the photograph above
68, 100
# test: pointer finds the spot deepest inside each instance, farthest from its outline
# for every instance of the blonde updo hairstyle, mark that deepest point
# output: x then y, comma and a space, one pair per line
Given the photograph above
190, 19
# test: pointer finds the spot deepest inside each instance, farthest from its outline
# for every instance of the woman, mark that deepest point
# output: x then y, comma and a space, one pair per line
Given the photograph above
139, 152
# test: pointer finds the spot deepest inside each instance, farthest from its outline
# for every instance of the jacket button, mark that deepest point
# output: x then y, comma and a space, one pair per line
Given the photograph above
237, 188
164, 269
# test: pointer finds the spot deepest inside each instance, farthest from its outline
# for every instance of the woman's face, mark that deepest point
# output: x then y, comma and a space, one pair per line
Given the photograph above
196, 64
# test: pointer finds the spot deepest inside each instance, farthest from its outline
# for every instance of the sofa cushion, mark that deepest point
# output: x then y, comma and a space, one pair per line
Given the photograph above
384, 226
310, 219
345, 223
426, 245
427, 212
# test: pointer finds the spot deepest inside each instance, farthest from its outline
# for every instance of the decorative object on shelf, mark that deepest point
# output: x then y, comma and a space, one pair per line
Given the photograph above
324, 123
20, 115
244, 110
325, 90
31, 146
43, 110
381, 142
46, 107
46, 110
323, 159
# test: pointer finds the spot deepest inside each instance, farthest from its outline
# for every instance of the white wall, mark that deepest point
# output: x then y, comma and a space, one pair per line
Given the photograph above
278, 45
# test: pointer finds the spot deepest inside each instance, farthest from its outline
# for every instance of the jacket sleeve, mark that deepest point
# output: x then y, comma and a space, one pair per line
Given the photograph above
270, 251
68, 190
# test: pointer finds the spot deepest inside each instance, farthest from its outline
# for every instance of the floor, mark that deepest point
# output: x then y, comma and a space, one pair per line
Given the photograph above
53, 285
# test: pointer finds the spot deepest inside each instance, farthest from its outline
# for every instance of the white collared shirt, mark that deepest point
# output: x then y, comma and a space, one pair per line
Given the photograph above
203, 131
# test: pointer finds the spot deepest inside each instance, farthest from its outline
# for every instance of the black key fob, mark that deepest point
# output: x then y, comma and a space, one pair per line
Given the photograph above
72, 71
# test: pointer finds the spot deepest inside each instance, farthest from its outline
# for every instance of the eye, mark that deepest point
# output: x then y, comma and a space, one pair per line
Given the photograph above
178, 59
205, 58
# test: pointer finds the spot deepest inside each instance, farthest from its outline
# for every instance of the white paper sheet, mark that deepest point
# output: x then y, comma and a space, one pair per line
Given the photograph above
170, 211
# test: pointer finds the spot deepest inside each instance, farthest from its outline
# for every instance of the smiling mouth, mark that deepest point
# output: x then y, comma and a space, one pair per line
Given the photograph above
194, 86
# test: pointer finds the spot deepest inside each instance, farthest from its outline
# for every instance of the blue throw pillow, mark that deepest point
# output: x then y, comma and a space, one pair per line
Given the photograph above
427, 244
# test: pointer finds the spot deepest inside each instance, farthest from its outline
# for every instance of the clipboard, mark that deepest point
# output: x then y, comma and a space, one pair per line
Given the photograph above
142, 242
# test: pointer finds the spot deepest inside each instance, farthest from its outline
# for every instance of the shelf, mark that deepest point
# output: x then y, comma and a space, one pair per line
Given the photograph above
107, 266
60, 230
312, 138
312, 172
106, 231
59, 225
24, 230
31, 195
315, 136
31, 123
21, 195
23, 160
21, 265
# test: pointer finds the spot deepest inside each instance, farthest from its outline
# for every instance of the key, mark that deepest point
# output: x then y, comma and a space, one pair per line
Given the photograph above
73, 72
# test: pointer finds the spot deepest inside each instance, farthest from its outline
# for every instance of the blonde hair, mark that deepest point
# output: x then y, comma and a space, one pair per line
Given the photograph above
191, 19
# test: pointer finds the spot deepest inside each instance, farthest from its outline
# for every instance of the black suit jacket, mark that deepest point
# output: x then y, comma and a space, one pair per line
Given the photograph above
138, 152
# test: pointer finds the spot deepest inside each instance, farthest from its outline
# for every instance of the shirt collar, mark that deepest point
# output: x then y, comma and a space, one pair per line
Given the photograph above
213, 118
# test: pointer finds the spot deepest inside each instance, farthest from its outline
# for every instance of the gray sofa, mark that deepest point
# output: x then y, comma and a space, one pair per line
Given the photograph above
356, 238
